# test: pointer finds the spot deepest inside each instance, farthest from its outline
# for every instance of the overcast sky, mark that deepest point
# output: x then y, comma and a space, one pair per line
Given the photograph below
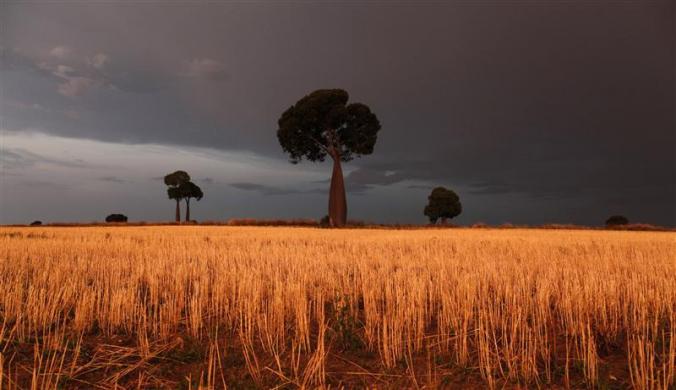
532, 111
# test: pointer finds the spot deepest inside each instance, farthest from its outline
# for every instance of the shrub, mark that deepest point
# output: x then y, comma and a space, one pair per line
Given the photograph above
36, 223
617, 220
116, 218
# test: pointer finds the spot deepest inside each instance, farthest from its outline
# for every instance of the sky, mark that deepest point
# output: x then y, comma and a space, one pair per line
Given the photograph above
533, 112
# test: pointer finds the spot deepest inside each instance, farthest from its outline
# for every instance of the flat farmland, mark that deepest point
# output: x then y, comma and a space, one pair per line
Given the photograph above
263, 307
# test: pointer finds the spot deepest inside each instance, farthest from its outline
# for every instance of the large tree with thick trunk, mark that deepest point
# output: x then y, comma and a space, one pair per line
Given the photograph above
174, 181
323, 124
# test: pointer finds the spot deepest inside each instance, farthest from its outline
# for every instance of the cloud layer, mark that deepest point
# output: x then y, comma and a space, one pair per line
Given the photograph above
567, 109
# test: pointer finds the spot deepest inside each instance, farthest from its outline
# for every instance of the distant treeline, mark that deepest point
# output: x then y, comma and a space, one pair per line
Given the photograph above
307, 222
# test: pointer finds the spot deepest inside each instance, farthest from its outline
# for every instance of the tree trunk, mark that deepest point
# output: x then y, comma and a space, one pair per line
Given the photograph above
178, 211
337, 198
187, 209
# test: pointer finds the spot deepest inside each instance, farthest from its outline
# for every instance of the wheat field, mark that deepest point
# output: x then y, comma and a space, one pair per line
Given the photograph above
264, 307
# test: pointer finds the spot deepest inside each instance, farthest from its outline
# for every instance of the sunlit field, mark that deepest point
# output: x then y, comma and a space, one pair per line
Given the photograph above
260, 307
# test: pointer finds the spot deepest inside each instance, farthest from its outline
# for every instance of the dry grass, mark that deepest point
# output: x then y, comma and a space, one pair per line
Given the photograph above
206, 307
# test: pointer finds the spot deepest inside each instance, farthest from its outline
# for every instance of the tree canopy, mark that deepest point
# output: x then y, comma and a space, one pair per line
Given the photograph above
323, 123
443, 204
189, 190
174, 193
176, 179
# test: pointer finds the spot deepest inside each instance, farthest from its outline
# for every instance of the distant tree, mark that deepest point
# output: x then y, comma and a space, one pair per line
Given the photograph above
36, 223
187, 191
175, 194
617, 220
321, 124
443, 204
116, 218
324, 222
174, 181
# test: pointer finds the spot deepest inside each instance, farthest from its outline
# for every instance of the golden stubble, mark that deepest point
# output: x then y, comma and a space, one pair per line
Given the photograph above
520, 306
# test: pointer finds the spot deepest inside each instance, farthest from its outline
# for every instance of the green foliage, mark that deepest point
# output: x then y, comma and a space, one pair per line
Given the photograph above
323, 123
189, 190
174, 193
174, 181
346, 326
180, 186
443, 204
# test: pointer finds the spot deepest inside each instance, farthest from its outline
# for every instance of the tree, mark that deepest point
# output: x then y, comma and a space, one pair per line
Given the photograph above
444, 204
321, 124
174, 181
617, 220
189, 190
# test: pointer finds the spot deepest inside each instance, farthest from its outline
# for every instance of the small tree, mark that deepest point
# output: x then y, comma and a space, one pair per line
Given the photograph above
617, 220
321, 124
174, 181
443, 204
189, 190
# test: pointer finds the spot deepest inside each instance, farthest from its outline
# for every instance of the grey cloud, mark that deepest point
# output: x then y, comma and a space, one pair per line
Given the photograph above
112, 179
75, 86
365, 175
207, 180
61, 52
16, 158
206, 68
362, 179
42, 184
12, 59
74, 75
98, 61
10, 159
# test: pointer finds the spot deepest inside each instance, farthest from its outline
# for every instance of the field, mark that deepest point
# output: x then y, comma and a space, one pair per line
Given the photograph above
260, 307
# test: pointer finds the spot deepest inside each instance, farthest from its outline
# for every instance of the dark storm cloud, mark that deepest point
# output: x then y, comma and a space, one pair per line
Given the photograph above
487, 188
274, 190
553, 101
